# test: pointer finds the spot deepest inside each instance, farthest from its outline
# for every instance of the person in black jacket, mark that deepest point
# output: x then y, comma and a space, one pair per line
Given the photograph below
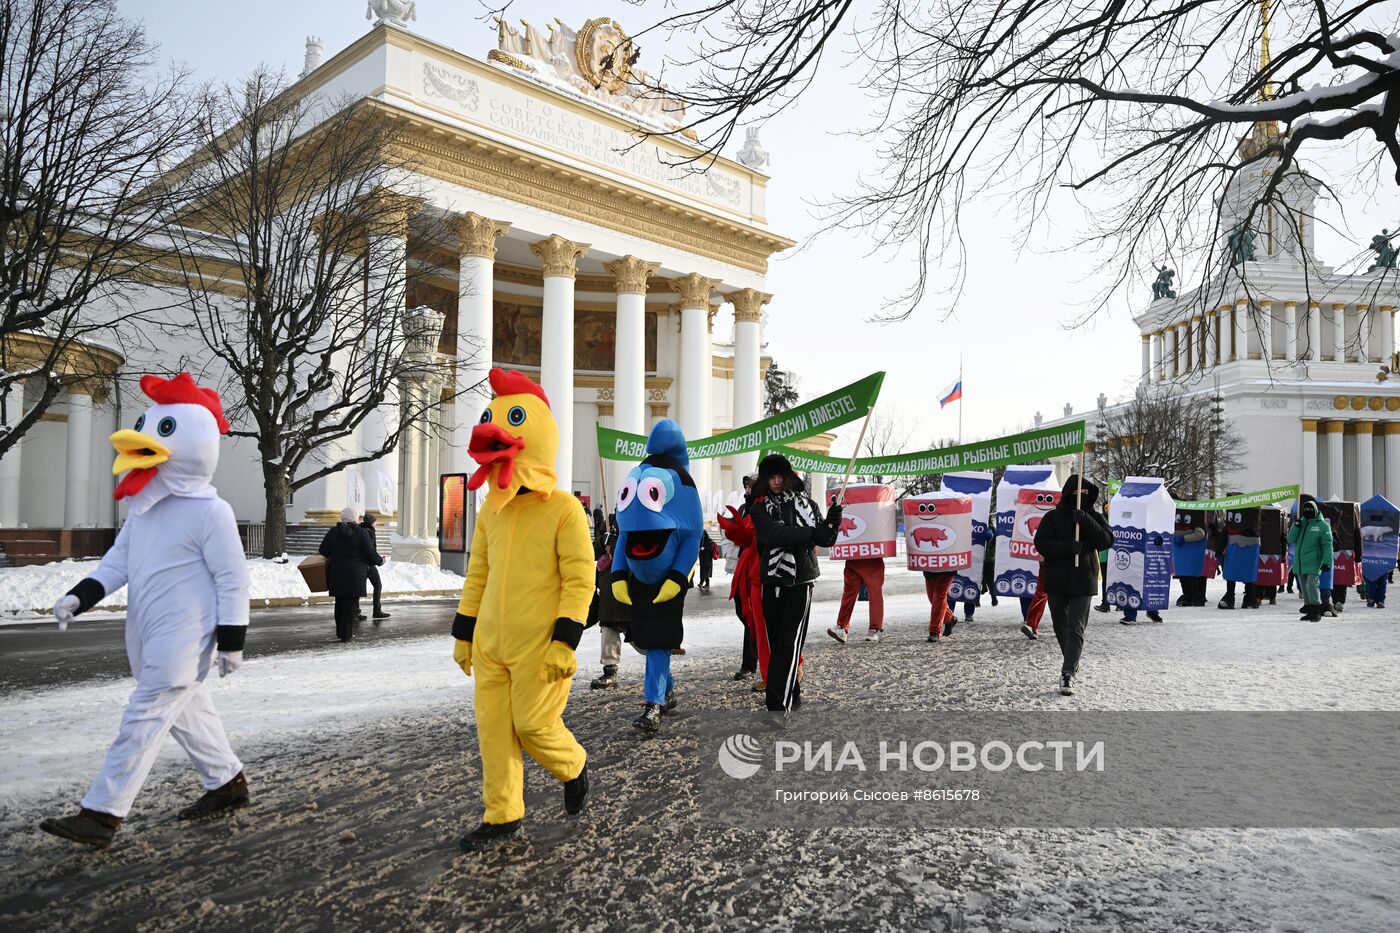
348, 555
1068, 539
707, 559
788, 525
376, 561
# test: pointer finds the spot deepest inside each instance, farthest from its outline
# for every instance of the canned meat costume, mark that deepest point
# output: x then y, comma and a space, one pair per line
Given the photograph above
179, 556
528, 588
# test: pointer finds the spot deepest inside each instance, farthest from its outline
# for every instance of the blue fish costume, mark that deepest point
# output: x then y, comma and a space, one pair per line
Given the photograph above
660, 523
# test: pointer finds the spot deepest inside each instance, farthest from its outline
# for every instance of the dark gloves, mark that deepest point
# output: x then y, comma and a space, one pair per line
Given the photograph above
824, 535
833, 517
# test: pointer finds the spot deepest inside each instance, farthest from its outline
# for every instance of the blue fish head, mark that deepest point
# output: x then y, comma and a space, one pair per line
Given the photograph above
658, 509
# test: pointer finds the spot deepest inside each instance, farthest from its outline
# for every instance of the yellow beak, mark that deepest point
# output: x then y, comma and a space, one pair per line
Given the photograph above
136, 451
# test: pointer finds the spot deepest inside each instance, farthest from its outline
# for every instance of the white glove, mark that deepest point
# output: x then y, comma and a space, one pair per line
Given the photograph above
65, 609
229, 662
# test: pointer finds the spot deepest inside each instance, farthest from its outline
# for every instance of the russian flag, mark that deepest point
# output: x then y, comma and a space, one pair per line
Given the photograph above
951, 394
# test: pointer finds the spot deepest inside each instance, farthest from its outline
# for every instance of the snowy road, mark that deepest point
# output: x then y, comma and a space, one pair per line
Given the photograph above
364, 768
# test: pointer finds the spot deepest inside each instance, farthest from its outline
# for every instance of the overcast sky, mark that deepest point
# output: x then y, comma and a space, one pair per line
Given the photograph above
1009, 321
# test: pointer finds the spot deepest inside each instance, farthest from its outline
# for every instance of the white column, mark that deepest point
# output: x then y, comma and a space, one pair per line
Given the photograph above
1290, 330
1241, 329
818, 490
1392, 460
386, 300
1365, 339
1146, 376
414, 539
10, 467
1387, 333
1199, 326
748, 383
1213, 337
560, 258
1159, 352
1175, 332
695, 364
1266, 335
630, 276
78, 460
1310, 457
1336, 478
475, 325
1314, 331
1365, 461
1339, 331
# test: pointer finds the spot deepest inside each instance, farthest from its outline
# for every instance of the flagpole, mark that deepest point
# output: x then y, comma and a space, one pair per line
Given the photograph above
845, 480
960, 389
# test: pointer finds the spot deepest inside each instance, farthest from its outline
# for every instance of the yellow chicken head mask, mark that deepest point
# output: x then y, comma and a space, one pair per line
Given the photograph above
515, 442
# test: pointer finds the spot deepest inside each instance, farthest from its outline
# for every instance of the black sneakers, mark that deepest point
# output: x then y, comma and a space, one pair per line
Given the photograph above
609, 678
232, 796
1066, 685
89, 827
488, 834
1029, 632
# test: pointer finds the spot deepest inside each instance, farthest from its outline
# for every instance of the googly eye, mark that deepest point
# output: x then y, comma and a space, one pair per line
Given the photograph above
626, 493
166, 426
652, 493
140, 422
516, 416
486, 416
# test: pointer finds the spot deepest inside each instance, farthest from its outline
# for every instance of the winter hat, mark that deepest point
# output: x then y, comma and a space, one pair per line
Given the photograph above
369, 518
777, 465
349, 515
1091, 492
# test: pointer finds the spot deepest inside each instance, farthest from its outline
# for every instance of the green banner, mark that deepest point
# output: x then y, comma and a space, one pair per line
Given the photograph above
1243, 500
804, 420
979, 455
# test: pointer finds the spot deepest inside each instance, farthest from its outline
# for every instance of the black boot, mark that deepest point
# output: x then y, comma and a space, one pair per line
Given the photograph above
670, 705
1226, 602
576, 792
89, 827
379, 613
488, 834
948, 626
232, 796
609, 678
650, 720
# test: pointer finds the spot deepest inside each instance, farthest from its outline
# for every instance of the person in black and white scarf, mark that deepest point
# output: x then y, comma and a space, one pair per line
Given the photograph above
788, 525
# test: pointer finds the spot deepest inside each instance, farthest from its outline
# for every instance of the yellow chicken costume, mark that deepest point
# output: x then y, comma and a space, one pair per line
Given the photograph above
529, 585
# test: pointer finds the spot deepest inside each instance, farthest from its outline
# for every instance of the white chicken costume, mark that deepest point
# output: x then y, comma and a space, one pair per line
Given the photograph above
181, 559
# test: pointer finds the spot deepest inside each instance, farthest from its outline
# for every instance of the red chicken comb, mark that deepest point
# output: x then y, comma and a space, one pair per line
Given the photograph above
514, 382
182, 390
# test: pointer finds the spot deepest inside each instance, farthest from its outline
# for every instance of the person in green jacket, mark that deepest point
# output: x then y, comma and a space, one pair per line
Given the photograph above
1311, 537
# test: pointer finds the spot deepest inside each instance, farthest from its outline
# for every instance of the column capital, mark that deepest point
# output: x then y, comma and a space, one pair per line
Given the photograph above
1339, 306
694, 290
391, 210
1364, 427
1331, 427
1362, 307
630, 274
1390, 427
1146, 338
1314, 304
1310, 425
1265, 303
560, 256
477, 234
1290, 303
748, 304
710, 317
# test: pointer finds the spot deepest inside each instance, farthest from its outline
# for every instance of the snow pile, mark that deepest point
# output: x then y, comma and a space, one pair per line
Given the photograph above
30, 590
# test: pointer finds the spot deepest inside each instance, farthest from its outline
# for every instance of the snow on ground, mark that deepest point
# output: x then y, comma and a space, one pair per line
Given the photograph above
364, 767
29, 591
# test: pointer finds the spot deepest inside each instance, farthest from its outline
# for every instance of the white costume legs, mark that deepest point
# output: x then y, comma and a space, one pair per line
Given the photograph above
149, 715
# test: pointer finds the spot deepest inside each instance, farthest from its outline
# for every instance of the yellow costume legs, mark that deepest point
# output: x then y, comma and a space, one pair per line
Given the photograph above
516, 708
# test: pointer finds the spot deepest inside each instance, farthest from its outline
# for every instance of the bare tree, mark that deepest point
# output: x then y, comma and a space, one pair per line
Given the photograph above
293, 252
87, 131
1169, 435
1149, 108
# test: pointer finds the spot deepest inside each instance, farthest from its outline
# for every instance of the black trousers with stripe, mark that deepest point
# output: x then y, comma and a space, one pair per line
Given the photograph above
785, 611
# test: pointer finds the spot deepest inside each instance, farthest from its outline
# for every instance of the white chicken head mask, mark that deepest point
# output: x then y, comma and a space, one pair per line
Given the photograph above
175, 441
